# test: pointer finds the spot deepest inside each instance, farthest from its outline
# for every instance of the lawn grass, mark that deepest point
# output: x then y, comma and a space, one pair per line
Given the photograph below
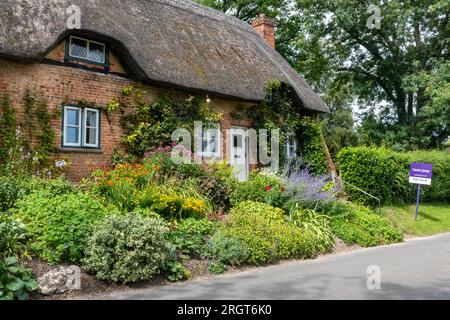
433, 218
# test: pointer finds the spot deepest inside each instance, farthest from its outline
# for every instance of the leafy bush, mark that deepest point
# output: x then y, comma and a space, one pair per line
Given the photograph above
12, 237
217, 267
318, 225
59, 224
217, 191
174, 202
261, 187
384, 174
189, 236
127, 248
440, 186
9, 192
226, 250
374, 170
311, 147
357, 224
53, 186
16, 282
267, 234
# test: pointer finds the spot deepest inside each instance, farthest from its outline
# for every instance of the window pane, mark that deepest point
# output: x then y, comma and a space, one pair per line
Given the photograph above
91, 136
72, 135
78, 48
72, 117
91, 119
96, 52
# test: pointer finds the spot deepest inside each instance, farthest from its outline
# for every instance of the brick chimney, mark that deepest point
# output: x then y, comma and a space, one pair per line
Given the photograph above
265, 26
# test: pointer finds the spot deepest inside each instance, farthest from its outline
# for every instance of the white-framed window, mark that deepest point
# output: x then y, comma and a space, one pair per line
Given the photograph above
87, 50
291, 146
211, 142
81, 127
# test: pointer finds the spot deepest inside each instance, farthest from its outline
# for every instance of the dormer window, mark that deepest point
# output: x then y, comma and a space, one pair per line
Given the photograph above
87, 50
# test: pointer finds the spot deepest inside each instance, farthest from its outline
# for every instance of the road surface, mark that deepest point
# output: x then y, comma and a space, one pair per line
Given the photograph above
416, 269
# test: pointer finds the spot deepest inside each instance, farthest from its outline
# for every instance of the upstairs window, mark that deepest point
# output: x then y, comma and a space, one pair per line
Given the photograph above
88, 50
81, 127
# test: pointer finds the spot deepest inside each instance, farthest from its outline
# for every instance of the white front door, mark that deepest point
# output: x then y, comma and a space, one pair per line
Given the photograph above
239, 152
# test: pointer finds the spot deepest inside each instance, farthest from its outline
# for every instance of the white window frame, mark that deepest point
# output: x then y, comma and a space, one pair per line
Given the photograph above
82, 128
288, 147
88, 42
65, 143
208, 153
85, 127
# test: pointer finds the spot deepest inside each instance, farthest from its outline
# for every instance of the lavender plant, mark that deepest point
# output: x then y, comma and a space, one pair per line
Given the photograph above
306, 190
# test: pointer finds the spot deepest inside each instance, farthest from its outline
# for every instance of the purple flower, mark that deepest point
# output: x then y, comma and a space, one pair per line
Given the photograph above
60, 164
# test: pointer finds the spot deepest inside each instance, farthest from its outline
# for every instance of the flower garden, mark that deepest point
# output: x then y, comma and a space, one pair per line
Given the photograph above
148, 219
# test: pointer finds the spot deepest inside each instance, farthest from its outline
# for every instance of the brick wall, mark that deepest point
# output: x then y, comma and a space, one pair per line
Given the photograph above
63, 84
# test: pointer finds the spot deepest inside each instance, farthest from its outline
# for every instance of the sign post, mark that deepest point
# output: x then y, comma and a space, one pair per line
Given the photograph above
420, 174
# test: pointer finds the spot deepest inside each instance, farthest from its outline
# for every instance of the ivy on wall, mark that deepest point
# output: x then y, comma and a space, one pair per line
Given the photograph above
151, 124
278, 111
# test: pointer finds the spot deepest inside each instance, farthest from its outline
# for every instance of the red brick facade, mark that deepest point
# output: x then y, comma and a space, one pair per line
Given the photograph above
65, 84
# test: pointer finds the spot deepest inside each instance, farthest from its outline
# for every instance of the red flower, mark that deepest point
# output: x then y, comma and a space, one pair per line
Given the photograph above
268, 188
283, 189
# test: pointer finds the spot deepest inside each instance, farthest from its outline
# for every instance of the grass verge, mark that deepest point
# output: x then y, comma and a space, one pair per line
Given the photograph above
433, 218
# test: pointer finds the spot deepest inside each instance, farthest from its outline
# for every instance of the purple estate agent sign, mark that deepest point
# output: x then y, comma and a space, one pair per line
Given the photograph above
421, 173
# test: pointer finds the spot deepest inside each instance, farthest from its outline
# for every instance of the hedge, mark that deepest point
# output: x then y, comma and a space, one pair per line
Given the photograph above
384, 174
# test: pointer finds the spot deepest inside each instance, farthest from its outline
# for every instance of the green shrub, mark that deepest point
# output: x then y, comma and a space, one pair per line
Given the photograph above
173, 201
12, 237
189, 235
59, 224
217, 267
226, 250
384, 174
261, 187
267, 234
440, 185
217, 191
9, 192
374, 170
53, 186
127, 248
355, 224
318, 225
311, 146
16, 282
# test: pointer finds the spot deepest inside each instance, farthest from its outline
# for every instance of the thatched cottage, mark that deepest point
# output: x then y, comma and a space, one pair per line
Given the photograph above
170, 46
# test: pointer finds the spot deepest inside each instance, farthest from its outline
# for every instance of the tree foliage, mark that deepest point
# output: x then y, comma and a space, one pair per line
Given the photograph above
399, 69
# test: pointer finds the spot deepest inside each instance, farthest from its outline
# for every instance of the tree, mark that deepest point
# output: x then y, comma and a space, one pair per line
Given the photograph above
331, 42
247, 10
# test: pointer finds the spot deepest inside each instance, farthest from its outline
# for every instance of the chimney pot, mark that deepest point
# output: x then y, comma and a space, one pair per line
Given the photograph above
265, 26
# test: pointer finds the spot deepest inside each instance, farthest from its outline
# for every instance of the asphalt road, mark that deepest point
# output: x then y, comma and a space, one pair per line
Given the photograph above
416, 269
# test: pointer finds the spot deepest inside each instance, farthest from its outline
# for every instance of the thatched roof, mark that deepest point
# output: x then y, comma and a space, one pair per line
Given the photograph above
175, 42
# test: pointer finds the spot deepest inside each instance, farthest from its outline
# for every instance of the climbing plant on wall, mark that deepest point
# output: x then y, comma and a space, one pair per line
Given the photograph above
278, 111
26, 143
151, 124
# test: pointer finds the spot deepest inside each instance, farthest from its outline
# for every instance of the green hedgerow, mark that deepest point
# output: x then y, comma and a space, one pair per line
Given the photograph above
267, 234
127, 248
58, 225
